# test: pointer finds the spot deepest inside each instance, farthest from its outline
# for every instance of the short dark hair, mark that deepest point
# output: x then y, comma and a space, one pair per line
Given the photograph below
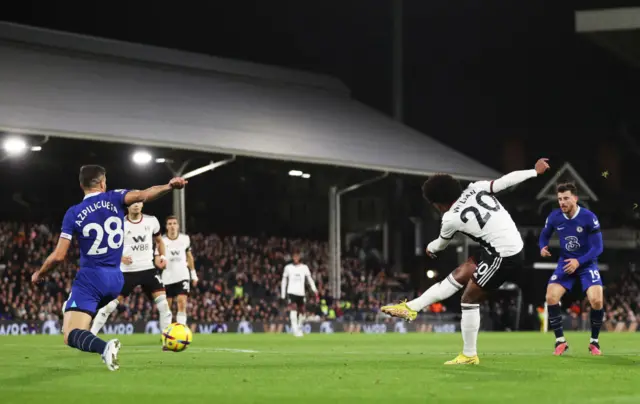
172, 217
567, 186
441, 188
91, 175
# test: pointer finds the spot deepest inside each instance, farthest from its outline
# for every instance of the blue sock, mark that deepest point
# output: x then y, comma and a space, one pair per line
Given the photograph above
597, 316
85, 341
555, 320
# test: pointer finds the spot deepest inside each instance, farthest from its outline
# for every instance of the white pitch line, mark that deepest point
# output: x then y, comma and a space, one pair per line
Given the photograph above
235, 350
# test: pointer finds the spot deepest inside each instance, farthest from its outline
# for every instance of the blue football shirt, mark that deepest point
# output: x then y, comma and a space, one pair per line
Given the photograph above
580, 236
98, 223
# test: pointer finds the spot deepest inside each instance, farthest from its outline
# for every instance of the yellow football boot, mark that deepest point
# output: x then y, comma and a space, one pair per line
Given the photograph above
462, 359
400, 310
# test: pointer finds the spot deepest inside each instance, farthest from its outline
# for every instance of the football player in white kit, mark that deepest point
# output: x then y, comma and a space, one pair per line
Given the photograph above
139, 266
180, 273
293, 286
477, 214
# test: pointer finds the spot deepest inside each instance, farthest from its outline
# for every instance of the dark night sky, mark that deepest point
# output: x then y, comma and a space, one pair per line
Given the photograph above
475, 72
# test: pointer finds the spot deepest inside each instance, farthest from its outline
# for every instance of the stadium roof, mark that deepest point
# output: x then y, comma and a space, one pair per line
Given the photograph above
615, 29
68, 85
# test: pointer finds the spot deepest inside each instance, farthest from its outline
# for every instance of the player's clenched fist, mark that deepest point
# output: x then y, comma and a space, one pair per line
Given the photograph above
178, 183
160, 261
542, 166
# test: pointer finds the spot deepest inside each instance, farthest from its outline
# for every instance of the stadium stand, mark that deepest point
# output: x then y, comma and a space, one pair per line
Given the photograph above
240, 280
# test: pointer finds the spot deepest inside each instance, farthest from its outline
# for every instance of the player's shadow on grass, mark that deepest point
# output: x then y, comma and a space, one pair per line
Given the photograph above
605, 360
36, 377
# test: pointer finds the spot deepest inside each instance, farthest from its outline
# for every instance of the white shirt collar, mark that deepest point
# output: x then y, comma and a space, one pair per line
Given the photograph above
574, 216
90, 195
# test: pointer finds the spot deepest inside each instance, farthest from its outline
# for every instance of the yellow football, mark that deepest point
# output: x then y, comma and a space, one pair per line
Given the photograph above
176, 337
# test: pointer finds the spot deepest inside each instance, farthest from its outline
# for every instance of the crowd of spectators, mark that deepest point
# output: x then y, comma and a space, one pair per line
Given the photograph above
239, 279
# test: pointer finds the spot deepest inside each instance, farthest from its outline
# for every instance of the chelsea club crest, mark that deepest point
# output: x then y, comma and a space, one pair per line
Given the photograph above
579, 229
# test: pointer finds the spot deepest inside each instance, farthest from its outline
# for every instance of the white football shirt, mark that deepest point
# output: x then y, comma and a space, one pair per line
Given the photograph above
293, 280
479, 215
176, 249
138, 243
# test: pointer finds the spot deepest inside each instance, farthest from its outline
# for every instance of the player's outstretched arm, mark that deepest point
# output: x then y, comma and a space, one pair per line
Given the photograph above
514, 177
58, 255
437, 245
155, 192
447, 231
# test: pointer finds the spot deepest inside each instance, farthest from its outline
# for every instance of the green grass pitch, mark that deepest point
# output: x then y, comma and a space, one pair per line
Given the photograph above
324, 368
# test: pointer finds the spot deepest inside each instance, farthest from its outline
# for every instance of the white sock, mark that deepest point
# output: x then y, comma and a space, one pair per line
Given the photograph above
470, 326
181, 317
301, 319
593, 340
561, 339
102, 316
293, 315
164, 313
436, 293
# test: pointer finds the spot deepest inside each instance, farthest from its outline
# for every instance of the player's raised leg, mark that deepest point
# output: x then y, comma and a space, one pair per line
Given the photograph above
470, 324
595, 295
436, 293
558, 285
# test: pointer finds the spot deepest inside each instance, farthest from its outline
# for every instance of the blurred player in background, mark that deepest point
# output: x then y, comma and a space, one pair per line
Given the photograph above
180, 274
476, 213
97, 222
580, 245
293, 286
139, 266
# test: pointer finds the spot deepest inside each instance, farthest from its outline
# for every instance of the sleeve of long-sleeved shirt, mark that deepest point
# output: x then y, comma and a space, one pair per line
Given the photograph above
505, 181
447, 231
595, 242
68, 225
546, 233
310, 280
285, 279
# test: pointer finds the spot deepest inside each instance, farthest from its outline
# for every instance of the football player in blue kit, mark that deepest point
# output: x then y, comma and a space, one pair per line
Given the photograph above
97, 222
580, 245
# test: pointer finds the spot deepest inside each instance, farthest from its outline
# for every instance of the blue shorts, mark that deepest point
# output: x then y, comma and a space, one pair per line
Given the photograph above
588, 275
93, 288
